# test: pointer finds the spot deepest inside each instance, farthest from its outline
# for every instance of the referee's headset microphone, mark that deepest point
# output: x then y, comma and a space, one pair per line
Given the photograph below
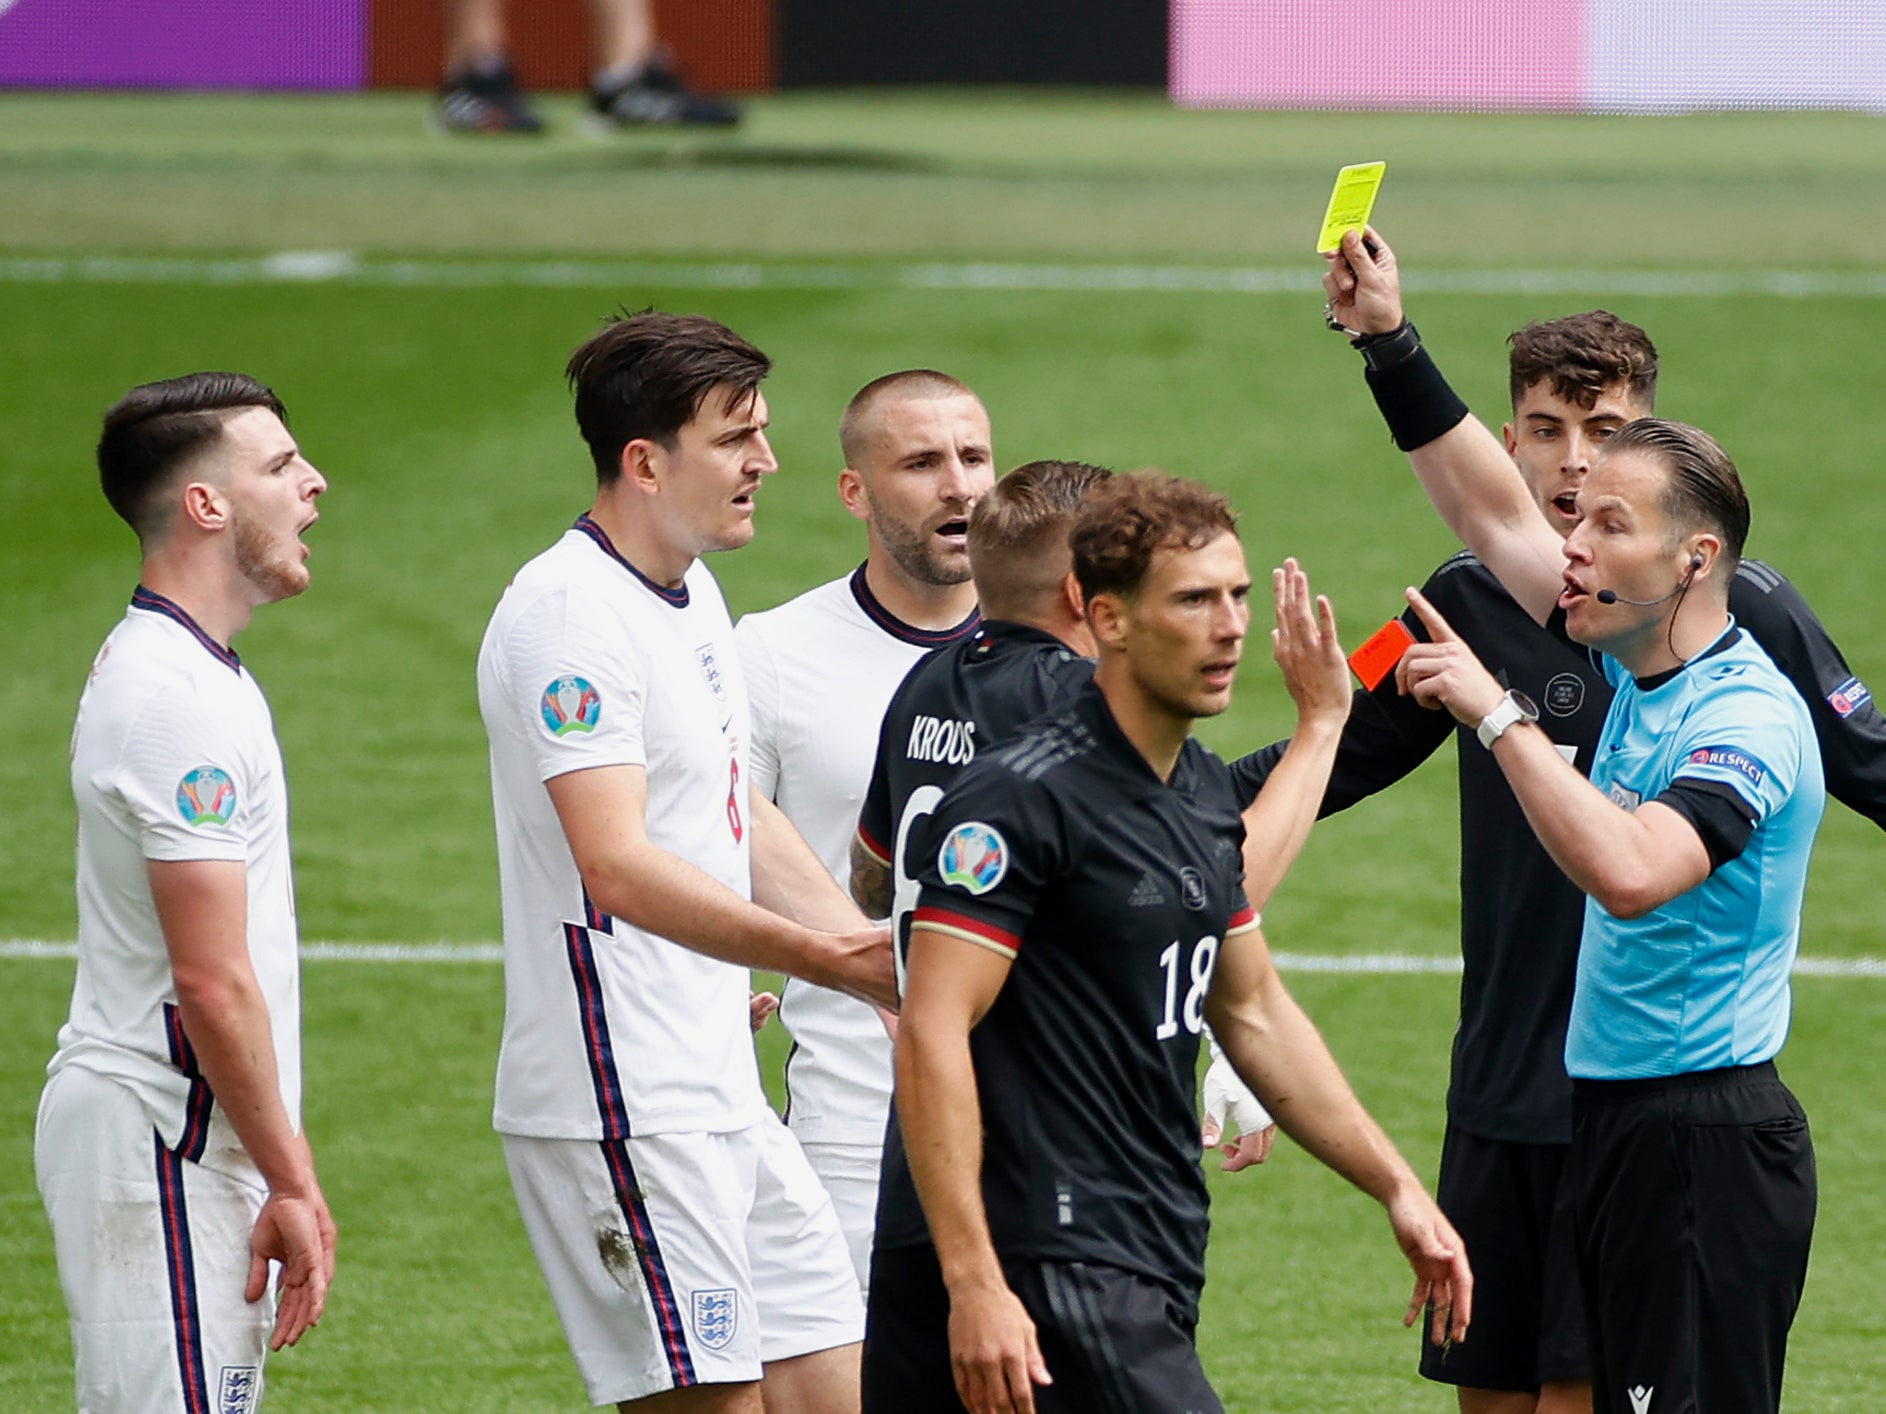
1611, 596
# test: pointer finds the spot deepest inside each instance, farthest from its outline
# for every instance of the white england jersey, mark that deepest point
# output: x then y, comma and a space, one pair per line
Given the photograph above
821, 669
174, 759
611, 1031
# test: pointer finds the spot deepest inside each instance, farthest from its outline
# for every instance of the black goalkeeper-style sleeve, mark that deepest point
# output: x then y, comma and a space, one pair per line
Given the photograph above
1847, 721
1385, 737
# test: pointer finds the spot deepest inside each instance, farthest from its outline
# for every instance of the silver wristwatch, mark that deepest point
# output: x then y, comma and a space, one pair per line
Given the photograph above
1514, 707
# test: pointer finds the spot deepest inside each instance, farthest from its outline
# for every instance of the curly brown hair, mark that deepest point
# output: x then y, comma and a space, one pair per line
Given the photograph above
1130, 518
1582, 355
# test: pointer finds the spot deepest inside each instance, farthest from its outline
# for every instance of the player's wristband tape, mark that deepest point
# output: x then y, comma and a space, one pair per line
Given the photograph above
1416, 402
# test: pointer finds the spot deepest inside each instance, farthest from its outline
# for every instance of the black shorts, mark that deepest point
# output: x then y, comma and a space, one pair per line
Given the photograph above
1115, 1342
1511, 1209
1693, 1209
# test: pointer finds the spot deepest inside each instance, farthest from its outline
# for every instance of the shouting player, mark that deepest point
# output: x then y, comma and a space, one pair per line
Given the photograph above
820, 669
169, 1147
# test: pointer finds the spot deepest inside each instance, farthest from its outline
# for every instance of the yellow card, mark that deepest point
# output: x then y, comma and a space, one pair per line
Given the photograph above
1350, 204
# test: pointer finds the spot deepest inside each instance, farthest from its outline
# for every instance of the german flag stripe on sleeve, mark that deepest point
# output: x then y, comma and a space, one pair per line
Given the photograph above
876, 850
973, 930
1243, 921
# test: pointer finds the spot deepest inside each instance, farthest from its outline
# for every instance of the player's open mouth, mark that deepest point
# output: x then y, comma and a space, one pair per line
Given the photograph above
956, 531
1566, 504
1220, 674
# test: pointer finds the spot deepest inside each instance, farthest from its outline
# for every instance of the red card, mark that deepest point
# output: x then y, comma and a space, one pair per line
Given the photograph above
1376, 659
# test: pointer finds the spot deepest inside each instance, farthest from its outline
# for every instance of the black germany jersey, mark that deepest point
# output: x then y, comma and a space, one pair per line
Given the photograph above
960, 700
1112, 891
1520, 916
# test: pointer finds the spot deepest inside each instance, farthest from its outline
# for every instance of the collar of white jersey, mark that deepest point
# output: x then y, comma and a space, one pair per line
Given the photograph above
908, 633
674, 598
151, 602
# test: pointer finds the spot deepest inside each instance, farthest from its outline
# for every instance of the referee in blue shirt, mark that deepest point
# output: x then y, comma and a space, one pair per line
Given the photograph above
1691, 1171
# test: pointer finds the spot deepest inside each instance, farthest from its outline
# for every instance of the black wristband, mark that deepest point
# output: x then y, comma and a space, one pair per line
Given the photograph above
1398, 345
1415, 400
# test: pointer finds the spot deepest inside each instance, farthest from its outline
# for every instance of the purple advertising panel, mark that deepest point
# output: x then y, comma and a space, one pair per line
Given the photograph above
183, 43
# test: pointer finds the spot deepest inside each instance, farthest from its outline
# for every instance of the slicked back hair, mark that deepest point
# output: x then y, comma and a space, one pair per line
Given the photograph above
854, 428
1704, 491
646, 375
1129, 519
1582, 355
156, 429
1019, 534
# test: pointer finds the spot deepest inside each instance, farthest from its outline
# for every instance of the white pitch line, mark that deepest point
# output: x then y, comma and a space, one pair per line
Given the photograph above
347, 268
1363, 964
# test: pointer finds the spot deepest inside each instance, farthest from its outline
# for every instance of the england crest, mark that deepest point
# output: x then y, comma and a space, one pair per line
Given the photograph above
716, 1317
240, 1390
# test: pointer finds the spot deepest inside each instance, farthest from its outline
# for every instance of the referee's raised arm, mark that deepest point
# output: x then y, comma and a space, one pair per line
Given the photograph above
1462, 466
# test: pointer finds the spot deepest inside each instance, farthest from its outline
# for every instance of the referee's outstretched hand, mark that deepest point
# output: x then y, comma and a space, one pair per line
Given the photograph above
1443, 672
993, 1351
1363, 283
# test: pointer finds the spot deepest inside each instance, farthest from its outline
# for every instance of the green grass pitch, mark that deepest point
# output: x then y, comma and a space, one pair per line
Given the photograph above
437, 412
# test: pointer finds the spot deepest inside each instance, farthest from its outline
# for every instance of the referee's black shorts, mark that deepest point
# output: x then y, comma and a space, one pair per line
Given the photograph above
1693, 1203
1115, 1342
1509, 1203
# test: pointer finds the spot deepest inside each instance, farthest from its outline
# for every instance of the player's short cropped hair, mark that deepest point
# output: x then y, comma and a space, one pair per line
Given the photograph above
1129, 519
1581, 355
646, 375
854, 427
156, 429
1019, 534
1704, 492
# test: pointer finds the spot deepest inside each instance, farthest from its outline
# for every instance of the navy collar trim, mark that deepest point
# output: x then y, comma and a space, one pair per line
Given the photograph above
909, 633
1729, 637
152, 602
675, 598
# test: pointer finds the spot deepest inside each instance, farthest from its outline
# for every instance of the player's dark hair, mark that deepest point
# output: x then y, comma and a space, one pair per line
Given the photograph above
157, 428
1128, 519
1019, 532
854, 428
1704, 491
1581, 355
646, 375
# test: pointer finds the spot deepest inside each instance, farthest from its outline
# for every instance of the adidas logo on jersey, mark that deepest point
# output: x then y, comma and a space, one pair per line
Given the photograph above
1146, 893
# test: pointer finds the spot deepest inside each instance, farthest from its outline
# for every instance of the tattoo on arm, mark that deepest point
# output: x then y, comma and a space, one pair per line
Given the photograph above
870, 881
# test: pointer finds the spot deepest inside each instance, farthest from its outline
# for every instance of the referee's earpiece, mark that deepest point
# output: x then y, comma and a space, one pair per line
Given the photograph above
1696, 562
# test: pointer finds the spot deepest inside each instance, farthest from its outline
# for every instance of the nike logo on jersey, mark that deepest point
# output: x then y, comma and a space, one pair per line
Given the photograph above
1640, 1398
948, 740
1145, 893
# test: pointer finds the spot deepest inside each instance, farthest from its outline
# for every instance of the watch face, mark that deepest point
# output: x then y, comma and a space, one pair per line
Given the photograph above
1528, 709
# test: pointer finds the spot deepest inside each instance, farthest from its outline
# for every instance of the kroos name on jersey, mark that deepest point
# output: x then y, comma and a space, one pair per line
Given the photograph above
949, 740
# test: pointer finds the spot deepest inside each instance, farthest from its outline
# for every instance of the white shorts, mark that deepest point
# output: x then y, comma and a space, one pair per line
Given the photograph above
850, 1174
153, 1255
684, 1259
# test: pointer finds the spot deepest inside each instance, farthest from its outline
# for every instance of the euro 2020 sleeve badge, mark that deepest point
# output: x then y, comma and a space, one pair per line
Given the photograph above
973, 856
569, 705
